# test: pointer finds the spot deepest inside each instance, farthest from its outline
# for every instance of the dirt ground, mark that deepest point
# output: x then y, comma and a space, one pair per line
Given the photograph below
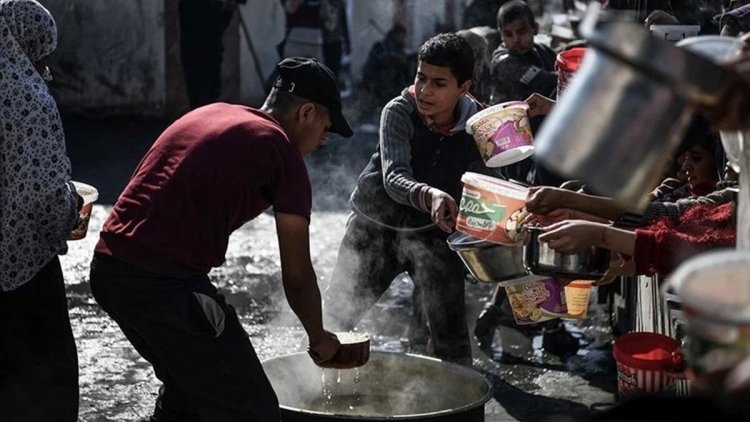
116, 384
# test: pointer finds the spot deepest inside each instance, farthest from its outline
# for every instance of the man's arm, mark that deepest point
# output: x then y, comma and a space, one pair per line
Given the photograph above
300, 283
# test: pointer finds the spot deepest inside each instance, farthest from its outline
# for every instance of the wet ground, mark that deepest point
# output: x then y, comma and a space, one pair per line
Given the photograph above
530, 384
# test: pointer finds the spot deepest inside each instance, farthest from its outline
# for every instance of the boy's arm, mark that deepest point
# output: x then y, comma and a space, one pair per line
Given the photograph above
396, 130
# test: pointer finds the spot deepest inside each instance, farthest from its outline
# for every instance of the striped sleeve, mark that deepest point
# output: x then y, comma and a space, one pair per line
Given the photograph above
673, 210
396, 130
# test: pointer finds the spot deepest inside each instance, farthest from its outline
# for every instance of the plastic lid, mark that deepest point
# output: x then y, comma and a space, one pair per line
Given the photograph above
570, 60
496, 185
715, 285
492, 110
511, 156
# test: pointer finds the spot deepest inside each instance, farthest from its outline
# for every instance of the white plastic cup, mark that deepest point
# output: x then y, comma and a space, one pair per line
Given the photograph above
89, 194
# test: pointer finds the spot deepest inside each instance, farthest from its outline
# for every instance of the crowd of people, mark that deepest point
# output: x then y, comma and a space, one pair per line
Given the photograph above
221, 165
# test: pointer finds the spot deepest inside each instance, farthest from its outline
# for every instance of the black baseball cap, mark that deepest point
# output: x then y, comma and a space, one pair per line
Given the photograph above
310, 79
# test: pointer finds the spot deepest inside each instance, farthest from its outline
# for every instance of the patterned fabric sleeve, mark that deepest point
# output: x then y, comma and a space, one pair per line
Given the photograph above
37, 207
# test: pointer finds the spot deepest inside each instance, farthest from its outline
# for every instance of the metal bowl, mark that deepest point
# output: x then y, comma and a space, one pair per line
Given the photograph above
540, 259
488, 262
353, 352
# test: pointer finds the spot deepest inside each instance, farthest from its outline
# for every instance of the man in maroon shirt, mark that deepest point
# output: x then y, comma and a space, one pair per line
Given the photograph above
211, 171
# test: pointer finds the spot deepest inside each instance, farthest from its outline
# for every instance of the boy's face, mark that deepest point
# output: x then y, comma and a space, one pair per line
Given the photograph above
518, 35
437, 92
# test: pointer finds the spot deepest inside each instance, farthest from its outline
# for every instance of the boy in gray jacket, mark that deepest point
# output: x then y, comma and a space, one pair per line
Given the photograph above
405, 202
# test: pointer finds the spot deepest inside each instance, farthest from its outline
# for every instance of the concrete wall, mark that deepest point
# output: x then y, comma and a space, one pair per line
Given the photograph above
110, 56
266, 26
266, 23
368, 22
122, 57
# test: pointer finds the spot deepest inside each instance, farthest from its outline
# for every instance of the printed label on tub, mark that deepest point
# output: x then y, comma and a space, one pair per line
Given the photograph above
633, 381
535, 301
507, 137
480, 214
627, 383
491, 209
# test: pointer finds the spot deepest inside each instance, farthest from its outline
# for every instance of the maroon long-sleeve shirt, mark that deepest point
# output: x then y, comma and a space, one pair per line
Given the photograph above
664, 245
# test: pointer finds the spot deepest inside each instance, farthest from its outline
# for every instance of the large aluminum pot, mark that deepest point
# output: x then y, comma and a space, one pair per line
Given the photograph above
488, 262
626, 110
391, 386
540, 259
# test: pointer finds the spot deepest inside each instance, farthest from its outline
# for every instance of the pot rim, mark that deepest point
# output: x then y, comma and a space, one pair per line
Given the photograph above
459, 241
532, 249
454, 366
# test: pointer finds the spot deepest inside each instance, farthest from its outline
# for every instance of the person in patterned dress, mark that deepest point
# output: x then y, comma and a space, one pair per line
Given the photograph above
38, 209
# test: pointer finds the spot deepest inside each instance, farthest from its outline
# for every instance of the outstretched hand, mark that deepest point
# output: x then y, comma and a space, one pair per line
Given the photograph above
544, 200
618, 266
443, 210
323, 347
539, 105
561, 214
573, 236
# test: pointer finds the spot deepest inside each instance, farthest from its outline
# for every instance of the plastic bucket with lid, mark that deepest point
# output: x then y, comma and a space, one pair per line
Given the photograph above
89, 194
535, 299
566, 64
644, 361
502, 133
491, 209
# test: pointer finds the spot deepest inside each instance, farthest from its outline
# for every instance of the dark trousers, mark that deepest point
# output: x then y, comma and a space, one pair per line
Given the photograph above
370, 257
202, 26
194, 341
332, 52
38, 359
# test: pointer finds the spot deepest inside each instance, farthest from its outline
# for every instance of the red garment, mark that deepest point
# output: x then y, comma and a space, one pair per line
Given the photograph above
664, 245
211, 171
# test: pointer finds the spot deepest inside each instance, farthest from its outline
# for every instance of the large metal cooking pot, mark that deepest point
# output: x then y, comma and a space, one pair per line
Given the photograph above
626, 109
391, 386
540, 259
488, 262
